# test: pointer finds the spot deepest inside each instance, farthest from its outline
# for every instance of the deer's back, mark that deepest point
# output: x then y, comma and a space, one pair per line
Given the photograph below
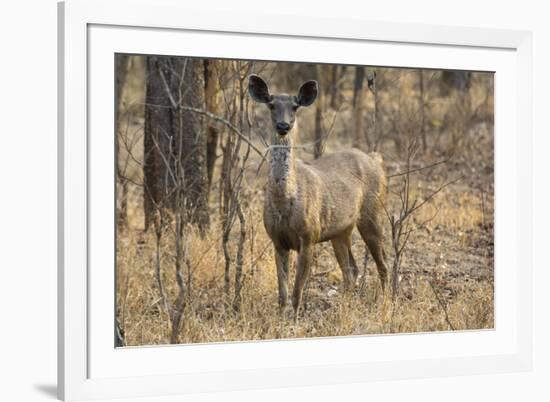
340, 187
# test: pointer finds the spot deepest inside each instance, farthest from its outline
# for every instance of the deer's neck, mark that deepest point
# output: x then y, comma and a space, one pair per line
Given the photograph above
282, 178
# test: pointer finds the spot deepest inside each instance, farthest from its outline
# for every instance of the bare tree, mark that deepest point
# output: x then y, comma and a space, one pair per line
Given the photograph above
175, 171
234, 165
175, 167
122, 65
212, 105
401, 221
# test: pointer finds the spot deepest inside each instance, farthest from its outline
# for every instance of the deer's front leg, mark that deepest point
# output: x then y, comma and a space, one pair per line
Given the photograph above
302, 272
282, 261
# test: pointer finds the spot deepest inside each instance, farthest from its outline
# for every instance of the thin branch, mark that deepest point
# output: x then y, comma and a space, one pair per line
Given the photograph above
432, 195
443, 306
421, 168
167, 88
227, 123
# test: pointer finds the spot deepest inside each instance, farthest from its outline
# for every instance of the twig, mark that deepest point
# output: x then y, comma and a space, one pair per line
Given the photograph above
421, 168
443, 306
432, 195
227, 123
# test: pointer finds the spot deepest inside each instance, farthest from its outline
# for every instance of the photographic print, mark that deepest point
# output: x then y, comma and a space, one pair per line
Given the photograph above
265, 200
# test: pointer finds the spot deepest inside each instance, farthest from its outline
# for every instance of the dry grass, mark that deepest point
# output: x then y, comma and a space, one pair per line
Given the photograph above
468, 299
446, 280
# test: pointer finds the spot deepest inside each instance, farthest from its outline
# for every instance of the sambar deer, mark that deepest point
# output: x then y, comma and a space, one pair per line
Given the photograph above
309, 203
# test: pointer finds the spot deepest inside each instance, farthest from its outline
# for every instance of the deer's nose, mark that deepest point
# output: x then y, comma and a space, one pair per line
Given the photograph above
283, 128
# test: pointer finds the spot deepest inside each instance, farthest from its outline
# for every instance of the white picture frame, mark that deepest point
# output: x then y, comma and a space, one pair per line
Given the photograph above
90, 32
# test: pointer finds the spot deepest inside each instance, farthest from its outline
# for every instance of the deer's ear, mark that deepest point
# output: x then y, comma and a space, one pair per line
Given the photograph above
257, 88
308, 93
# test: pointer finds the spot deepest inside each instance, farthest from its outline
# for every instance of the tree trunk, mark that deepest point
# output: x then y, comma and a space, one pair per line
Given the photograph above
212, 105
421, 101
192, 128
374, 141
175, 139
156, 141
334, 86
122, 65
319, 143
358, 96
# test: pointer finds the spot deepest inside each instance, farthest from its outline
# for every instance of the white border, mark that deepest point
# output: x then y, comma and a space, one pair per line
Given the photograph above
106, 362
108, 373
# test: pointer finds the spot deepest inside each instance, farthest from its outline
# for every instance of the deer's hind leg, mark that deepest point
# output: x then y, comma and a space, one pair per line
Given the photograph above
371, 231
342, 251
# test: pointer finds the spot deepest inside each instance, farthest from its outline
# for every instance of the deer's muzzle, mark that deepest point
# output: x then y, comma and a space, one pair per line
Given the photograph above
282, 128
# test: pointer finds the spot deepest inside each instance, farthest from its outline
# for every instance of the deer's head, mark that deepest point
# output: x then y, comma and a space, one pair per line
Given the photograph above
283, 107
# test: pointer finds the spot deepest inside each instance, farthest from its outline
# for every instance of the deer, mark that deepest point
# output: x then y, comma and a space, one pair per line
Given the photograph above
323, 200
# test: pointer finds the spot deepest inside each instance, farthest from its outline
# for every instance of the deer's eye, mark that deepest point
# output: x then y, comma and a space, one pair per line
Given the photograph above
271, 106
295, 107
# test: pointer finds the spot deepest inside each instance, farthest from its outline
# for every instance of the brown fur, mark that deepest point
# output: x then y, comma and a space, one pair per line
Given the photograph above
319, 201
